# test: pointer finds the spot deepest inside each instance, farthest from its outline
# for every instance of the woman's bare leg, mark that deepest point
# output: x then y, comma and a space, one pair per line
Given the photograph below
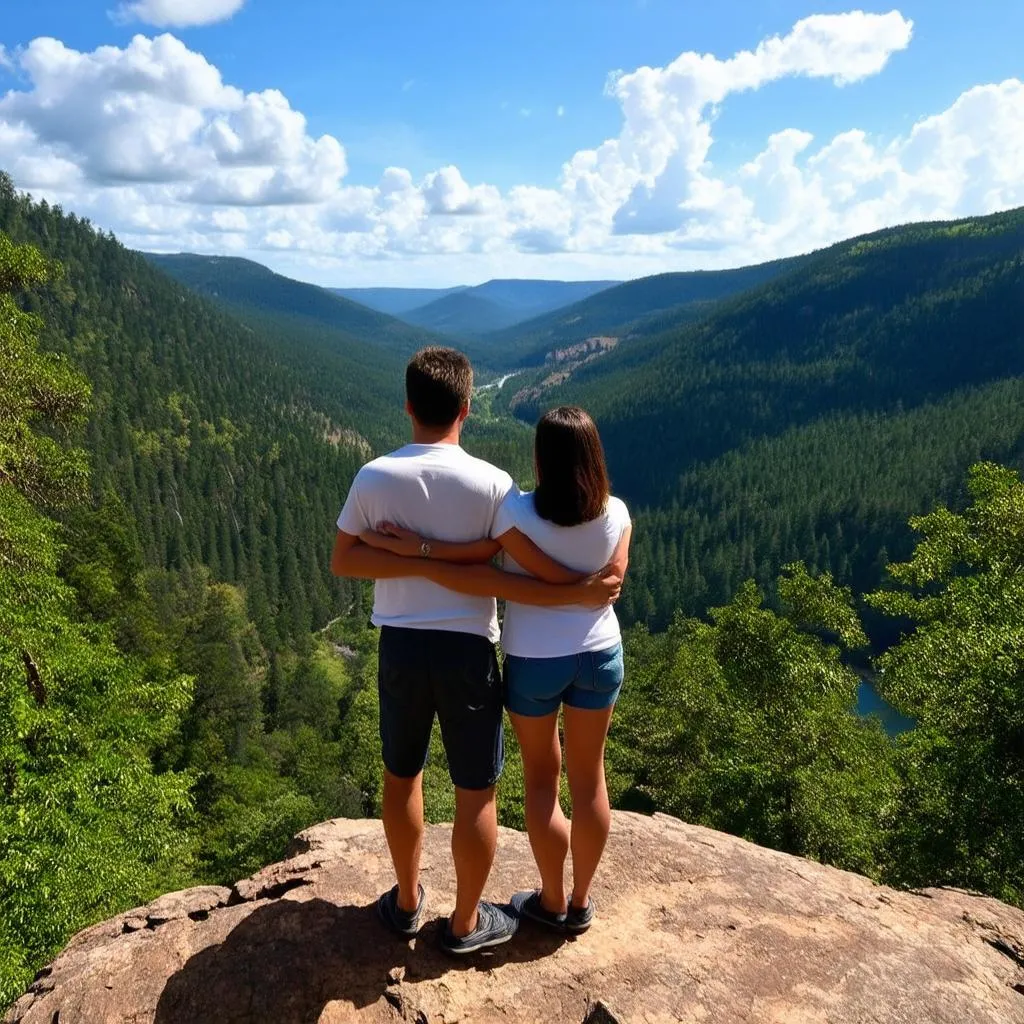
585, 735
545, 822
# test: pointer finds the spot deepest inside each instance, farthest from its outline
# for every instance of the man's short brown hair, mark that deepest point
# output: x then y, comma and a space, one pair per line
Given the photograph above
438, 383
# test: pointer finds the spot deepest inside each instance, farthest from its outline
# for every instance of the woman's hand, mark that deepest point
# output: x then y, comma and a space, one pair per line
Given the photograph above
395, 539
601, 589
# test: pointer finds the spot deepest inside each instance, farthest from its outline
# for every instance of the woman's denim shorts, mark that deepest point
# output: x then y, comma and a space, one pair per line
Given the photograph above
538, 686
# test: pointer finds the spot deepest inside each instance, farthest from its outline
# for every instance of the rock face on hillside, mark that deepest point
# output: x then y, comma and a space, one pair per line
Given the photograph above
693, 926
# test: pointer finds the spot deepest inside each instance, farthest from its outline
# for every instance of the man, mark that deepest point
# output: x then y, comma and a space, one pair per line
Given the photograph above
437, 647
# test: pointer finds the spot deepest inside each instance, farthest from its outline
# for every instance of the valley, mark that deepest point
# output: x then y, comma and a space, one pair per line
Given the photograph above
775, 254
785, 436
749, 415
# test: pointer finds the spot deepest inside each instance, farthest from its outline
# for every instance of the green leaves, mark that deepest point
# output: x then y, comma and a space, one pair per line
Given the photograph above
960, 674
23, 266
87, 827
747, 724
37, 392
817, 603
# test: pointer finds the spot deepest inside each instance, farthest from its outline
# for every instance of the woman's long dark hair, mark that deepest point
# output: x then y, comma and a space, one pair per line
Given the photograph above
572, 478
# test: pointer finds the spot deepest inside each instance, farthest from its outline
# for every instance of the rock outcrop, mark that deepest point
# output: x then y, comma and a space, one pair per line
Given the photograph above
693, 926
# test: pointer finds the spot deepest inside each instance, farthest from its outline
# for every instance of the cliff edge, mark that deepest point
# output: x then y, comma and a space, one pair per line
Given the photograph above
693, 925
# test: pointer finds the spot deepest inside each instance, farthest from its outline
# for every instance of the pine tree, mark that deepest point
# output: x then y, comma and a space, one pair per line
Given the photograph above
86, 826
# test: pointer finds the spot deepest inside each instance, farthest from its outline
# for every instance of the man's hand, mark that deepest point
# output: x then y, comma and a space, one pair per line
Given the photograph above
599, 590
399, 541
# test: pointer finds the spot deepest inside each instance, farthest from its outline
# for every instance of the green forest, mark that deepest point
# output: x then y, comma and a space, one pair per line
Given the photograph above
184, 685
811, 416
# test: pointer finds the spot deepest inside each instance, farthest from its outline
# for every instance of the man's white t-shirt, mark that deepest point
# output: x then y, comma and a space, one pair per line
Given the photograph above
443, 493
531, 632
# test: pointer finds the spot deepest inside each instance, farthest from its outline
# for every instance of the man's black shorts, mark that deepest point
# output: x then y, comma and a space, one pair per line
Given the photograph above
423, 672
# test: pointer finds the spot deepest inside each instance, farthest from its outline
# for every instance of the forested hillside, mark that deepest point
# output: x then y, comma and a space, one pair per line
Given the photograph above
812, 416
225, 449
373, 342
642, 307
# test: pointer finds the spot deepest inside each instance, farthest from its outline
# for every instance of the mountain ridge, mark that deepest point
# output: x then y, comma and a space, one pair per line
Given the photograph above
645, 305
393, 300
501, 302
834, 306
251, 288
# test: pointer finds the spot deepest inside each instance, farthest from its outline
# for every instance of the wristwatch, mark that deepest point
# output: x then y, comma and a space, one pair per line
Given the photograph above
425, 549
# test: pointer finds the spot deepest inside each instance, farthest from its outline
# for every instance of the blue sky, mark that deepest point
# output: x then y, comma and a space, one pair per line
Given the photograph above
499, 97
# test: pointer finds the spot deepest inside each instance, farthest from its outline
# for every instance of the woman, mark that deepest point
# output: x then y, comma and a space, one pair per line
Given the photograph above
567, 529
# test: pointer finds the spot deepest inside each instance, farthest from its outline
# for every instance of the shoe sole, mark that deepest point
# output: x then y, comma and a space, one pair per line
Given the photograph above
498, 940
580, 926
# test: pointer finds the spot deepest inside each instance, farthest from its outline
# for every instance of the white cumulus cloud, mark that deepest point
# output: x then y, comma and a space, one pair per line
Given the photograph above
178, 13
157, 112
656, 165
150, 141
447, 192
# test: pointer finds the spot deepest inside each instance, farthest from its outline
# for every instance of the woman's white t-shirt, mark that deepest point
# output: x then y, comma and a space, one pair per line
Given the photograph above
531, 632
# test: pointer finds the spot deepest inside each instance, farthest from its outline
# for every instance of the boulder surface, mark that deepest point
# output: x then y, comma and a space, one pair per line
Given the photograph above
692, 925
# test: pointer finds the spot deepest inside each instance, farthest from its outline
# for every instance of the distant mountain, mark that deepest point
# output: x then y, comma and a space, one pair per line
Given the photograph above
394, 301
471, 312
647, 305
253, 291
537, 296
462, 314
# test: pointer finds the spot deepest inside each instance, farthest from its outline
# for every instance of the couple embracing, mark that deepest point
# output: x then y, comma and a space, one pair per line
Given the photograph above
425, 523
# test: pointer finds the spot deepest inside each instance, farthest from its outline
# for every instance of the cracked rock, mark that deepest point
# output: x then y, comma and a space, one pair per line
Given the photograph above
691, 925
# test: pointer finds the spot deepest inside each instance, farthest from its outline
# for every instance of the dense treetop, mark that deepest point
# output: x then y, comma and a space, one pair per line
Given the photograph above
645, 306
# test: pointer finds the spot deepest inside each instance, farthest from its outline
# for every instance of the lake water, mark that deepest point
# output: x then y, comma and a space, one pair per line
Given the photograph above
870, 702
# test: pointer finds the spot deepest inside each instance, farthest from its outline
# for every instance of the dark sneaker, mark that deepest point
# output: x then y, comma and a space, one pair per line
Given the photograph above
495, 925
400, 921
579, 919
528, 904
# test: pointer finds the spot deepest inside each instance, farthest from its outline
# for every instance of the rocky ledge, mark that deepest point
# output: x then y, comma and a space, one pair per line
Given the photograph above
693, 926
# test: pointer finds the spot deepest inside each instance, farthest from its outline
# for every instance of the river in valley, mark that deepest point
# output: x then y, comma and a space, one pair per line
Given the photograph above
498, 384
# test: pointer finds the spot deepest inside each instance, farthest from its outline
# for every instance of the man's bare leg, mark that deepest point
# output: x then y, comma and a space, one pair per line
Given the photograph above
474, 843
402, 812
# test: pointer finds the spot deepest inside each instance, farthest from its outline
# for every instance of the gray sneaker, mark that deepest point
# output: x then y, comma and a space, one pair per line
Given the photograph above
527, 904
400, 921
579, 919
495, 926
